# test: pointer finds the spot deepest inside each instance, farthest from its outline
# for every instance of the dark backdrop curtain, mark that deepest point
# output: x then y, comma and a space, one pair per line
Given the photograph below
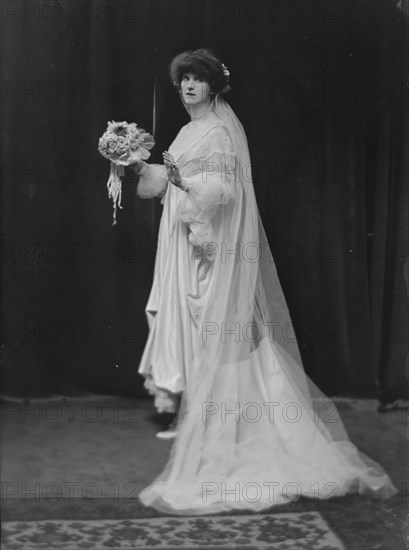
323, 107
388, 207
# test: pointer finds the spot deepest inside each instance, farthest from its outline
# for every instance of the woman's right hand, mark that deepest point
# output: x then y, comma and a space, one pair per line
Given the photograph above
172, 169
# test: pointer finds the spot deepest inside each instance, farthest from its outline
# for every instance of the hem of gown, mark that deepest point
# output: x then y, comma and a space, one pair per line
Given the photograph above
153, 496
165, 401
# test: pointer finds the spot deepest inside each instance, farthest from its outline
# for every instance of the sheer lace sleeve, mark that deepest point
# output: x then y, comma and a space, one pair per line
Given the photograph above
153, 181
211, 181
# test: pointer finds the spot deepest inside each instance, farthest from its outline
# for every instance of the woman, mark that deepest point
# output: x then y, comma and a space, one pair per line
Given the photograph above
253, 430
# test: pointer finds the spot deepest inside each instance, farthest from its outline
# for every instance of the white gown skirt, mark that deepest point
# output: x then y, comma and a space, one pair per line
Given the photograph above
257, 434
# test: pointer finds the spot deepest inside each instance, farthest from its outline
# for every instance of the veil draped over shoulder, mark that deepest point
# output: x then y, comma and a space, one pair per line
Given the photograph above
253, 429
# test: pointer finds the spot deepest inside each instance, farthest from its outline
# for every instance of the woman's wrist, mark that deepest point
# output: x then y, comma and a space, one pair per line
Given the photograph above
184, 185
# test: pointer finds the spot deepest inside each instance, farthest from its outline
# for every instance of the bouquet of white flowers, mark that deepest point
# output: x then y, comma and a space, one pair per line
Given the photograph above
123, 144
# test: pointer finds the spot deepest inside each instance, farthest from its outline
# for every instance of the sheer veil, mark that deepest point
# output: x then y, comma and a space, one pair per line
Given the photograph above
253, 429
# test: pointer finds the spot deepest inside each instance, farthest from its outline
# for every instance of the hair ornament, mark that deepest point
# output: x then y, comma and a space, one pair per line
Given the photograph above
226, 71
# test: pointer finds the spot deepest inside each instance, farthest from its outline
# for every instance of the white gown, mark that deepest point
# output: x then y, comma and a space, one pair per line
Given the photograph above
180, 276
253, 431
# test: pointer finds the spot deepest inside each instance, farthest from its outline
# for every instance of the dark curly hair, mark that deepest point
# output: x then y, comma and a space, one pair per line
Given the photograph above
203, 63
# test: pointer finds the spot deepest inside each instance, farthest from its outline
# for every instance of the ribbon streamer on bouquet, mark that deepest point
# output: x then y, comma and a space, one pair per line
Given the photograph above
114, 186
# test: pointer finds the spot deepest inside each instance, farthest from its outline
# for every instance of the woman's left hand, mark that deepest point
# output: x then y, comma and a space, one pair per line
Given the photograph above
173, 170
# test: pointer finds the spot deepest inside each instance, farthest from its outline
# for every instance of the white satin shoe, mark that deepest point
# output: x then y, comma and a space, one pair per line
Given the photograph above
169, 433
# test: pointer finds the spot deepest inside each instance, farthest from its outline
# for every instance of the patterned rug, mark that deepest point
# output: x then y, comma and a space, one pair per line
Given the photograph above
289, 531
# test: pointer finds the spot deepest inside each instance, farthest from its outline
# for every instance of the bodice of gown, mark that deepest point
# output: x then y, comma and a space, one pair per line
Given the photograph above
206, 160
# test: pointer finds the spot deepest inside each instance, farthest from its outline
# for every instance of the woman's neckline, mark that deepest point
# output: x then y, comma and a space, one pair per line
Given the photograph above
198, 121
204, 116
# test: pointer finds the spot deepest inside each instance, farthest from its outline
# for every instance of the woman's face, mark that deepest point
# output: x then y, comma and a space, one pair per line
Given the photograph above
194, 89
